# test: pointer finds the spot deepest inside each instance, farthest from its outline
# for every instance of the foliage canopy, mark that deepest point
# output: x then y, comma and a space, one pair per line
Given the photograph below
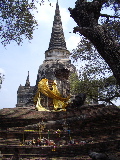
17, 20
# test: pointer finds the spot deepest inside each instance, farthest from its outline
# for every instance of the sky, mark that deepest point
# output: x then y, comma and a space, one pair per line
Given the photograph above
16, 61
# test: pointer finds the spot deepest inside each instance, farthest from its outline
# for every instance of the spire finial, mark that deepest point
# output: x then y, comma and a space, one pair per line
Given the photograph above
57, 40
28, 76
27, 81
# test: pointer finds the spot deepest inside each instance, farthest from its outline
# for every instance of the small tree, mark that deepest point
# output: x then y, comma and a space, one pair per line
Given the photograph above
104, 90
1, 79
96, 79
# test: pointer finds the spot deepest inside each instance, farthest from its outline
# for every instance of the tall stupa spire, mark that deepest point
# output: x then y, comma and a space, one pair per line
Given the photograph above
57, 40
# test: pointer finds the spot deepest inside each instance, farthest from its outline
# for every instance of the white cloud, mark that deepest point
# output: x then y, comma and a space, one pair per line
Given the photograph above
45, 13
65, 16
2, 71
72, 42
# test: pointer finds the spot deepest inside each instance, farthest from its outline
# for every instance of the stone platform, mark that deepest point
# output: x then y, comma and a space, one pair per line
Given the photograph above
94, 127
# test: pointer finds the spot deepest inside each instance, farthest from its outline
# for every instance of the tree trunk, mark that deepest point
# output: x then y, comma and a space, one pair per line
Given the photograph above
86, 16
106, 47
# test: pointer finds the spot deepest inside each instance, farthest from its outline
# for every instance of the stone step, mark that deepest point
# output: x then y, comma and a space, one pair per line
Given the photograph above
10, 142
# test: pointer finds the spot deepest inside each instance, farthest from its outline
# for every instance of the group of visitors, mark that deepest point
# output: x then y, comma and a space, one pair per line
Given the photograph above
47, 142
40, 142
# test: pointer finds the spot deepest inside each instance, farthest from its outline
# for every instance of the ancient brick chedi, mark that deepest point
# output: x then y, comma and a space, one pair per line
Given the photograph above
56, 67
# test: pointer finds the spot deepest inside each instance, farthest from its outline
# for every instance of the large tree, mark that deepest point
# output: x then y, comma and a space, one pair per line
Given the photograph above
86, 14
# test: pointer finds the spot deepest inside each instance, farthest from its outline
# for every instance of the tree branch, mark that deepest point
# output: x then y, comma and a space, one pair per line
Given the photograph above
109, 99
108, 16
101, 1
